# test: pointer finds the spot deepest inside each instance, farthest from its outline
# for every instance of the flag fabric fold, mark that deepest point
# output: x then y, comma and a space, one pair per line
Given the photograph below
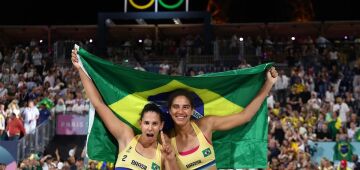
126, 91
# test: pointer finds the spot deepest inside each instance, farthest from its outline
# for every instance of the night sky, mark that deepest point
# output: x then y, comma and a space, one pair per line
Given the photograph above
66, 12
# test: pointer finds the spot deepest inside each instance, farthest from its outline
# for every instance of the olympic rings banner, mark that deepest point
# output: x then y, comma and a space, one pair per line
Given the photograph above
162, 3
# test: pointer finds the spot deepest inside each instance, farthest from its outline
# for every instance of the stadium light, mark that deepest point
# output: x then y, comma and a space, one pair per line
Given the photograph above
141, 21
109, 22
177, 21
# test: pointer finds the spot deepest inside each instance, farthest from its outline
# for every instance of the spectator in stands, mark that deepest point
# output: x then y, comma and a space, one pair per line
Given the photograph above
50, 77
13, 107
60, 107
314, 102
343, 165
46, 162
164, 68
44, 114
30, 114
243, 64
351, 131
15, 128
353, 119
14, 76
281, 87
323, 134
3, 92
80, 164
36, 59
270, 100
57, 88
322, 43
334, 125
92, 165
69, 101
2, 125
350, 100
294, 100
274, 150
342, 108
79, 107
2, 110
356, 163
330, 94
325, 164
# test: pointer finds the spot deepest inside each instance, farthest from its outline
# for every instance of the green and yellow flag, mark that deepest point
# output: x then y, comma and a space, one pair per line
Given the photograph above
47, 102
126, 91
343, 150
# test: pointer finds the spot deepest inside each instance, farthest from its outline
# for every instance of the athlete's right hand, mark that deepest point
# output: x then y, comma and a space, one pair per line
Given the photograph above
166, 150
74, 59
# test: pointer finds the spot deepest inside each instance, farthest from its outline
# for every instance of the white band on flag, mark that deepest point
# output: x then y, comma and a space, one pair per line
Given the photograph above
79, 61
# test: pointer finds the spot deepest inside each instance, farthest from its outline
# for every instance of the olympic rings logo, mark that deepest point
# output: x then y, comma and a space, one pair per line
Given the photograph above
141, 6
161, 2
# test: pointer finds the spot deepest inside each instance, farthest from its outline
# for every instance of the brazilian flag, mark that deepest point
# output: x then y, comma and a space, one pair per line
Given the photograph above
343, 150
47, 102
126, 91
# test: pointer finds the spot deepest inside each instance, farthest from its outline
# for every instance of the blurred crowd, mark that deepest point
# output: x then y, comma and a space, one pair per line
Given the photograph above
316, 98
34, 89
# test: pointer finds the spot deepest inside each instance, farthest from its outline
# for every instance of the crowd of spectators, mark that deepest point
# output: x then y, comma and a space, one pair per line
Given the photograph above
316, 98
34, 89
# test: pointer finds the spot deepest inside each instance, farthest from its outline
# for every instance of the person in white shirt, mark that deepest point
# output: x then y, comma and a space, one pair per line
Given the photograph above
270, 100
2, 125
2, 110
60, 107
351, 131
281, 87
50, 78
164, 68
343, 109
314, 102
78, 107
3, 92
330, 94
31, 114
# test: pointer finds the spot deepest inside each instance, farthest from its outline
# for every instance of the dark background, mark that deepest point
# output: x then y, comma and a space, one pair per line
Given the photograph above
81, 12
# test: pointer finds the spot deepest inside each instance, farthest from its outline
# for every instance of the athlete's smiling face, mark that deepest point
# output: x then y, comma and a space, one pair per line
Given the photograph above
151, 125
181, 110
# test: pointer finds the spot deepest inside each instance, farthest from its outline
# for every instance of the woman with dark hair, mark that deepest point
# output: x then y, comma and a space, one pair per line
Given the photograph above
135, 151
192, 139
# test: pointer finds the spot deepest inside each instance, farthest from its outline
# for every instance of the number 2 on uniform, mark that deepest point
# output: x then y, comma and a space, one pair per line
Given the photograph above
124, 157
